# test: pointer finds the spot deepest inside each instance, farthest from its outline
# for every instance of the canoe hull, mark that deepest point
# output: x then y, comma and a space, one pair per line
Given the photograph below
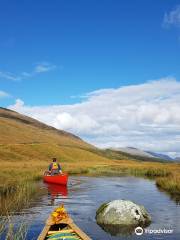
62, 229
61, 179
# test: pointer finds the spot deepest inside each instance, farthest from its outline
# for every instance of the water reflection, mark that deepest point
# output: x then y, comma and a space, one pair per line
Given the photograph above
174, 197
118, 230
55, 191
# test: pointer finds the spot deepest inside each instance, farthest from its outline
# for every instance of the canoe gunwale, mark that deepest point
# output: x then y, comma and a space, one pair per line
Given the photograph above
67, 221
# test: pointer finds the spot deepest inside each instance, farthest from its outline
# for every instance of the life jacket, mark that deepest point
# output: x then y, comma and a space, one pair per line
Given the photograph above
54, 166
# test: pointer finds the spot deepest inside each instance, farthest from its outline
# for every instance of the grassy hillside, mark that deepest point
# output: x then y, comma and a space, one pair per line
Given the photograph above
27, 146
17, 128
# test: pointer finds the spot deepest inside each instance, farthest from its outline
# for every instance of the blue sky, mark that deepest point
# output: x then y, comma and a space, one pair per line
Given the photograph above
106, 70
91, 44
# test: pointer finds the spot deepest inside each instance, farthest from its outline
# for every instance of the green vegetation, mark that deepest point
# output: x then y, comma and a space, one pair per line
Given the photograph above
134, 170
13, 199
170, 184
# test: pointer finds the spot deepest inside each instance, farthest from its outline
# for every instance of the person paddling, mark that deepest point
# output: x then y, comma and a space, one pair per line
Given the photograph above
54, 167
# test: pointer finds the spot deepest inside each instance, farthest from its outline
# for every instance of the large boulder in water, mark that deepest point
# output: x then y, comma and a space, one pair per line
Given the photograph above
122, 215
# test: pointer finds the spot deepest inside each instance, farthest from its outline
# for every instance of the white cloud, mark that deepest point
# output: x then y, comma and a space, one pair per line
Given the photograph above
173, 17
38, 69
44, 67
19, 104
9, 76
4, 94
146, 116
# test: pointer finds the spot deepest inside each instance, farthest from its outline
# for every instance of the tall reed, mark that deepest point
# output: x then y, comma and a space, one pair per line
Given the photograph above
12, 231
169, 184
12, 200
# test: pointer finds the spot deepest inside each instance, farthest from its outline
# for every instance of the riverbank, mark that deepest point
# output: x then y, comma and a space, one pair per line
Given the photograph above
166, 175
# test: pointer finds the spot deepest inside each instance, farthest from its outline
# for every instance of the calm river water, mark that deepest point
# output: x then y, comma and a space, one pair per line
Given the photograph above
85, 194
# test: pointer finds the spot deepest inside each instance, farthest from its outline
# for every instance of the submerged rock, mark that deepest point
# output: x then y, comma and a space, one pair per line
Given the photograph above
122, 216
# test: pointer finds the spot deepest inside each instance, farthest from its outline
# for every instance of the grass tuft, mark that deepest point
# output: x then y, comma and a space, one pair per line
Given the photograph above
170, 184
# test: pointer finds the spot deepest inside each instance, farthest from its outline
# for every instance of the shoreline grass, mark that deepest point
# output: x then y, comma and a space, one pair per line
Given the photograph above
15, 197
169, 184
12, 200
13, 179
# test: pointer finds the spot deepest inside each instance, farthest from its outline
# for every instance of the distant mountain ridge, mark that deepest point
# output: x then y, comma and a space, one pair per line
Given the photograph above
141, 153
160, 155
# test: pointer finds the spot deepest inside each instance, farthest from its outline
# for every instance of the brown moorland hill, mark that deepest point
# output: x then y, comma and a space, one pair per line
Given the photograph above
27, 146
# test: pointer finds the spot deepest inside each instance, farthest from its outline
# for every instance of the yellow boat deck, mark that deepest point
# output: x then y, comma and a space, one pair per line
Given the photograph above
60, 226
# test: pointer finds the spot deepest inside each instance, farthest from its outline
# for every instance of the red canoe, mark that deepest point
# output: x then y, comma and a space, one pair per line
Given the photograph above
60, 179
